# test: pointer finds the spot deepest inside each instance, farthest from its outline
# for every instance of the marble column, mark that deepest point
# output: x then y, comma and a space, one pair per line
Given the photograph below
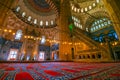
36, 50
23, 49
64, 27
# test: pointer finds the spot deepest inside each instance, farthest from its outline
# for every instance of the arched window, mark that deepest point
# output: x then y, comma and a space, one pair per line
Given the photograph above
95, 23
102, 25
43, 40
29, 18
46, 23
78, 10
98, 21
72, 7
41, 23
96, 27
91, 29
115, 35
18, 35
104, 19
82, 10
99, 26
35, 21
81, 26
109, 22
97, 1
75, 9
90, 7
101, 21
23, 14
73, 17
52, 22
94, 4
105, 23
86, 9
76, 20
18, 9
86, 29
75, 23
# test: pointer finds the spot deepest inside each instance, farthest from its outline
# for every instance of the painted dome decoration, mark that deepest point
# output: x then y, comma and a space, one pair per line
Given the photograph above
34, 11
41, 6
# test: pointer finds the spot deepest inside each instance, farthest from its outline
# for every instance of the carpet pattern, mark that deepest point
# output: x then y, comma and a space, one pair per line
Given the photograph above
60, 71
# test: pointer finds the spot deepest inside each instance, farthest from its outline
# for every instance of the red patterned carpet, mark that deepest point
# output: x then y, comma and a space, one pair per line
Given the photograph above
60, 71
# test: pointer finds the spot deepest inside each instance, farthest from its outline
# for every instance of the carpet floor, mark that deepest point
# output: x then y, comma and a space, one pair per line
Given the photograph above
60, 71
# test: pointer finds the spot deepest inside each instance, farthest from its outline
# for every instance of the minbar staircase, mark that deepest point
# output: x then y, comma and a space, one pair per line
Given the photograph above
85, 37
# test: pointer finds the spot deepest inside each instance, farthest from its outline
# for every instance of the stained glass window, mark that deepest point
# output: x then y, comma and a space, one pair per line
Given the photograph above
13, 54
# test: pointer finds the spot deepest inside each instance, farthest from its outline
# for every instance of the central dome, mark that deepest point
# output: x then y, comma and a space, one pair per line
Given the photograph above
40, 13
39, 5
